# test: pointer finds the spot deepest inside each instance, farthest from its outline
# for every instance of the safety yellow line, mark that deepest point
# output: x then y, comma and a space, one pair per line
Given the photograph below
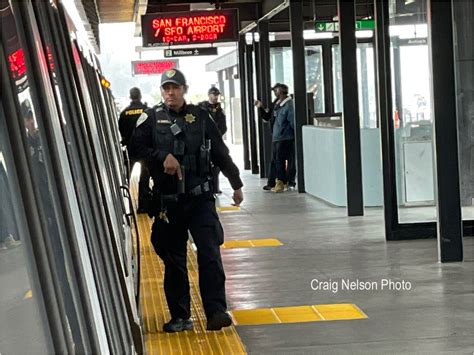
251, 243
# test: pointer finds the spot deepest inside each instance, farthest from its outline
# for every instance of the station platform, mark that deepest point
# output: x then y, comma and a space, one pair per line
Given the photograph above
303, 278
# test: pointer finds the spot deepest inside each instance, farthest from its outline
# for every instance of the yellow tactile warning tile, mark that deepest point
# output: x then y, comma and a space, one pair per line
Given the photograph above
297, 314
155, 311
251, 243
340, 311
227, 208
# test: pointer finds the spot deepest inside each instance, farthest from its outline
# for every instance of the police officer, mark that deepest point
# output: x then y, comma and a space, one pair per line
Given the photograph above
214, 108
179, 141
127, 122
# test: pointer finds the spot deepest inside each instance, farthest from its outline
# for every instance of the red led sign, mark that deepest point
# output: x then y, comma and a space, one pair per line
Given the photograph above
190, 27
17, 64
150, 67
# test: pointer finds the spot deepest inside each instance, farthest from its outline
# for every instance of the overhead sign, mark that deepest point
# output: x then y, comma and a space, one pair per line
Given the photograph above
151, 67
190, 52
169, 28
334, 26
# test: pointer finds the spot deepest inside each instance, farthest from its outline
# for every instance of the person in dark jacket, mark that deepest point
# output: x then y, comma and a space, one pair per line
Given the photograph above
179, 141
214, 108
127, 122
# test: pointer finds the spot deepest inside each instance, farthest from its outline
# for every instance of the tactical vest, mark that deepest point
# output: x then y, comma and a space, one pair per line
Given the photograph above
184, 137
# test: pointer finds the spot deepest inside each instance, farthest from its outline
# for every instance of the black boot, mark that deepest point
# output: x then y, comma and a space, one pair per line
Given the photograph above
218, 321
178, 325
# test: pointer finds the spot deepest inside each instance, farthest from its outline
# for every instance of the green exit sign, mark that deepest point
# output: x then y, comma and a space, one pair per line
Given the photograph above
334, 26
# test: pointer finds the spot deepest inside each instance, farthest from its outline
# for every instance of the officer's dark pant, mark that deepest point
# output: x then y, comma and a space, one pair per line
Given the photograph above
284, 152
199, 216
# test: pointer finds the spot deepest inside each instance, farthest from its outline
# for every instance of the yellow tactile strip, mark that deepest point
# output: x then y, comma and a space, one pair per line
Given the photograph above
155, 311
297, 314
251, 243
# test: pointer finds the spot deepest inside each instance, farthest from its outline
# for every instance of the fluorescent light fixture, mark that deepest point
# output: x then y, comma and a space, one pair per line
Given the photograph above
312, 34
364, 34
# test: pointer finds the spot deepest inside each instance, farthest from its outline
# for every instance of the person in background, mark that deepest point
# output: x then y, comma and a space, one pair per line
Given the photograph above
127, 122
213, 106
281, 116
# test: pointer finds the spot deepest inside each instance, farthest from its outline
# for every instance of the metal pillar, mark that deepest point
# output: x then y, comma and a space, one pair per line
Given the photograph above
450, 229
250, 108
243, 102
258, 78
299, 80
350, 116
265, 95
384, 107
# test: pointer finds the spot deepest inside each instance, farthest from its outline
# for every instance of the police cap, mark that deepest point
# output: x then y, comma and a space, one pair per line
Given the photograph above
214, 91
173, 76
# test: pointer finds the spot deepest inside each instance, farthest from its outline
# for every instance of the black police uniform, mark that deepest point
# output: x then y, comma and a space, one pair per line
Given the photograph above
217, 114
159, 132
127, 122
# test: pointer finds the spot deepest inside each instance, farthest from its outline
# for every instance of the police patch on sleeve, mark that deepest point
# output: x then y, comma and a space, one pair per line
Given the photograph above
141, 119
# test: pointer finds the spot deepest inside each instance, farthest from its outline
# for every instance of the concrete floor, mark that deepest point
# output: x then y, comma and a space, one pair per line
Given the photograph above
321, 242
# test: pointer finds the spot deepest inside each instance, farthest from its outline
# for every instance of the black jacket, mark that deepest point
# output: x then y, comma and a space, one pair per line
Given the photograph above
153, 140
217, 114
128, 120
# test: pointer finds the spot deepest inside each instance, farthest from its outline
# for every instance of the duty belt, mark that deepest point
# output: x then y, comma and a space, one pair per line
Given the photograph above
196, 191
200, 189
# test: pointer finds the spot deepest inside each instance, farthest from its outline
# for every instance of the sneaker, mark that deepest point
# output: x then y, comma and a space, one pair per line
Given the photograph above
279, 187
268, 187
10, 242
3, 246
178, 325
218, 321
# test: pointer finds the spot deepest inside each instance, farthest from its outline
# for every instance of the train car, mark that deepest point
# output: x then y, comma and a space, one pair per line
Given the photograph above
69, 270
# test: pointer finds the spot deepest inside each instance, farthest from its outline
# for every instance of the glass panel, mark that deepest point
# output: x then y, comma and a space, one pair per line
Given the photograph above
464, 66
365, 80
412, 117
366, 83
337, 77
20, 298
314, 76
281, 64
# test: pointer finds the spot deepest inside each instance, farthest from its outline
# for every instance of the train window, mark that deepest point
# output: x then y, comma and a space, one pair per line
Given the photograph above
21, 308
